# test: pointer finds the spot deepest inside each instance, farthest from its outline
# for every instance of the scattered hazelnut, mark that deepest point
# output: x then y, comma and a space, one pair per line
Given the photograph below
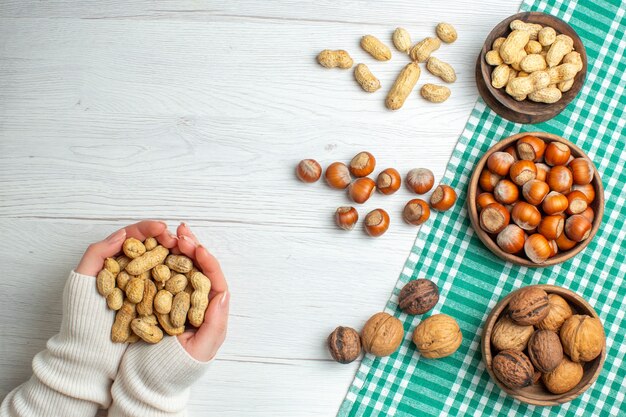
418, 296
560, 179
513, 369
506, 192
362, 164
582, 337
529, 306
511, 239
376, 222
577, 228
388, 181
443, 198
437, 336
338, 175
382, 334
308, 170
346, 217
545, 350
420, 180
416, 212
530, 148
344, 344
582, 171
508, 335
564, 377
557, 153
494, 218
361, 189
537, 248
500, 162
523, 171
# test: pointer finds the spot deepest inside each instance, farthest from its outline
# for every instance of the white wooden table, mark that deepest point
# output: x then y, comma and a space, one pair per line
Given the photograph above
114, 111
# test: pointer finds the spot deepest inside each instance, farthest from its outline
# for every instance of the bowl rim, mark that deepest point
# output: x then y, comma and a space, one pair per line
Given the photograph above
487, 355
546, 111
472, 192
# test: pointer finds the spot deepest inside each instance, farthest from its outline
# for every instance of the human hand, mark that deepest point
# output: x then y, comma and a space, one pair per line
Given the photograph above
93, 258
202, 344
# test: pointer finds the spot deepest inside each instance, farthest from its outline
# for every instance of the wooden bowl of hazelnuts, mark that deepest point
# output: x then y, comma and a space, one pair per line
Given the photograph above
535, 199
543, 345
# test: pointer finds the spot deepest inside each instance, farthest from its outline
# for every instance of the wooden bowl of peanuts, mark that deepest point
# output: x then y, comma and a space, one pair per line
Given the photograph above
531, 67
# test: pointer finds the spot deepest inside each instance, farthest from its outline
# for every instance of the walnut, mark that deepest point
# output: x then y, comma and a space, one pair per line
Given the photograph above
344, 344
582, 337
437, 336
513, 369
419, 296
545, 350
558, 313
529, 306
508, 335
382, 334
564, 377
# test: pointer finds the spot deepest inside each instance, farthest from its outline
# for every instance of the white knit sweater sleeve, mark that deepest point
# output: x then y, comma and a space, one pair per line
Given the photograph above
155, 380
73, 376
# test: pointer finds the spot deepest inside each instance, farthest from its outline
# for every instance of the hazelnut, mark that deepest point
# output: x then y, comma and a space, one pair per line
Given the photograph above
577, 202
483, 200
529, 306
557, 153
500, 162
587, 190
488, 180
545, 350
361, 189
560, 179
523, 171
362, 164
376, 222
582, 171
388, 181
564, 377
443, 198
538, 248
508, 335
554, 203
530, 148
308, 170
551, 227
582, 337
511, 151
542, 171
511, 239
346, 217
416, 212
438, 336
382, 334
525, 215
577, 228
534, 191
418, 296
420, 180
564, 243
494, 218
338, 175
506, 192
588, 214
344, 344
513, 369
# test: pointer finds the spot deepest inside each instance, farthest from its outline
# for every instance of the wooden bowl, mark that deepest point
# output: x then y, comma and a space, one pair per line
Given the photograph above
526, 111
537, 394
489, 241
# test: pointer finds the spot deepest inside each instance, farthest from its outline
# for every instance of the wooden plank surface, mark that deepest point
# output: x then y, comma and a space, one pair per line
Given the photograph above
115, 111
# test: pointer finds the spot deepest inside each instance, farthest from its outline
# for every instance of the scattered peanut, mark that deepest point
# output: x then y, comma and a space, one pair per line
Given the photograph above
441, 69
446, 32
422, 50
402, 40
403, 85
334, 59
366, 79
373, 46
435, 93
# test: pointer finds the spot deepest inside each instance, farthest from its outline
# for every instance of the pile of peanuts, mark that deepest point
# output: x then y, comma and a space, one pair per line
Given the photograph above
407, 79
534, 62
152, 291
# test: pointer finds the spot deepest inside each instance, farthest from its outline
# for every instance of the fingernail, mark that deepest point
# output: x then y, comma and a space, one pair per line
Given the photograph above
172, 235
225, 298
117, 236
162, 222
184, 225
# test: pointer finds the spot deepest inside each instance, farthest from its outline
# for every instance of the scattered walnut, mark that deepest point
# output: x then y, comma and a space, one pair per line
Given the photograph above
438, 336
418, 296
382, 334
344, 344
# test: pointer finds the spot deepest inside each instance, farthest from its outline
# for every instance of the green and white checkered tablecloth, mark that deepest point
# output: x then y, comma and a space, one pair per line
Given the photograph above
472, 280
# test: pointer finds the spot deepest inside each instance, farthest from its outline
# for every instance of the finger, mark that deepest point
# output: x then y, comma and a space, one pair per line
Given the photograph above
96, 253
212, 333
183, 229
211, 267
167, 239
187, 246
145, 229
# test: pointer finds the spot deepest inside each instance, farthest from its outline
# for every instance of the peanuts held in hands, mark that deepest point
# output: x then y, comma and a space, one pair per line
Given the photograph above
115, 299
366, 79
334, 59
147, 261
146, 330
120, 331
166, 324
105, 282
144, 307
133, 248
150, 243
179, 263
199, 298
180, 307
375, 48
176, 284
134, 290
163, 302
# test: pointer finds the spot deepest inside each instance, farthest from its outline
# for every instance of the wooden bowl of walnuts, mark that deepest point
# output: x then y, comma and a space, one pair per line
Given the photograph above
535, 199
543, 345
531, 66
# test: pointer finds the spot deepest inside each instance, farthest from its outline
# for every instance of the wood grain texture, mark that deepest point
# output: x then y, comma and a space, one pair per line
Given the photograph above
199, 111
